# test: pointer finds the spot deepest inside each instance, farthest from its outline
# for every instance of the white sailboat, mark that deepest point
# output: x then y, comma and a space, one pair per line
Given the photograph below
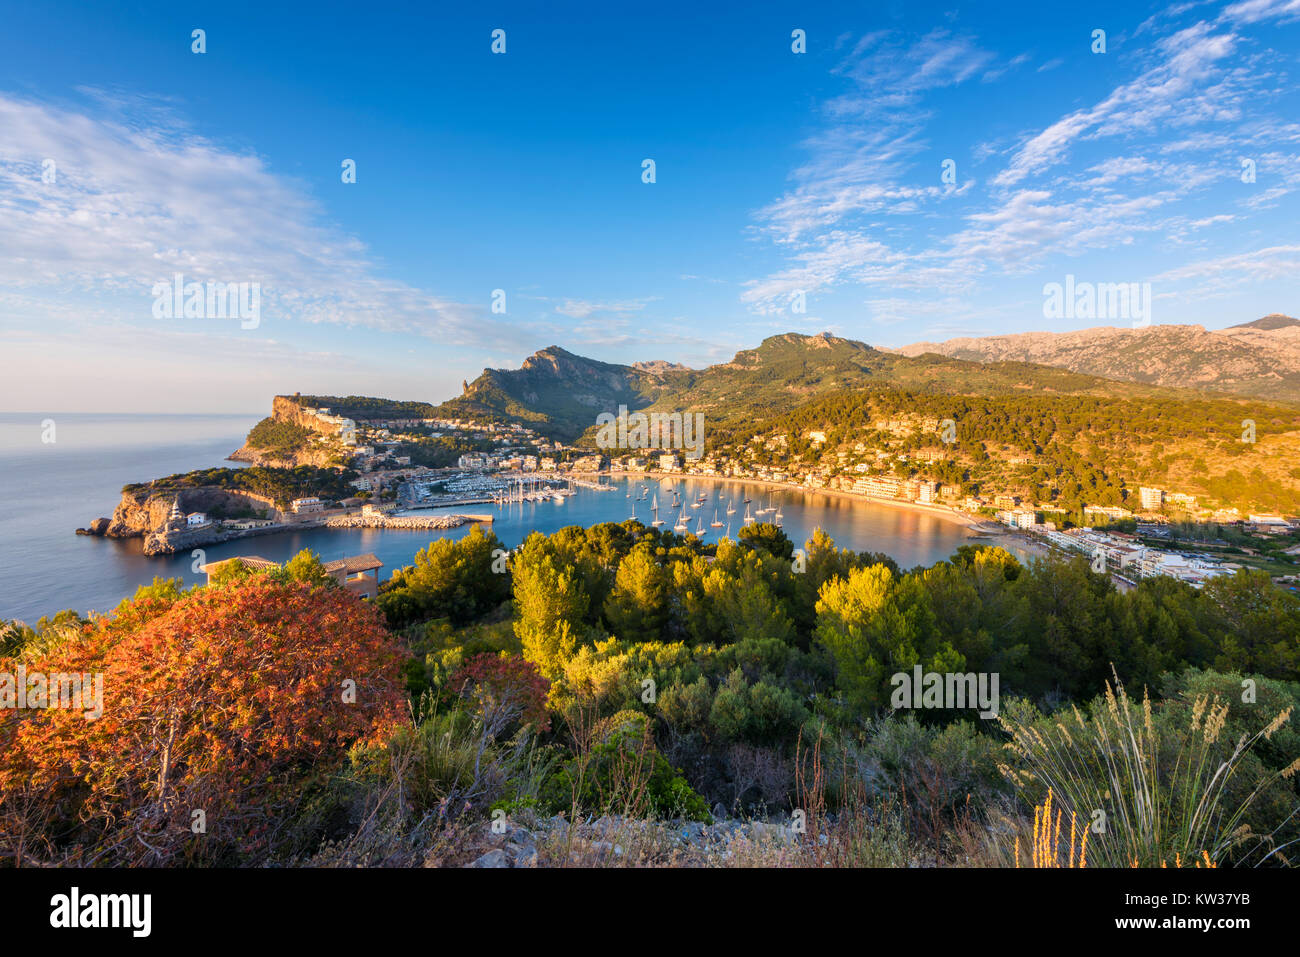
715, 523
699, 529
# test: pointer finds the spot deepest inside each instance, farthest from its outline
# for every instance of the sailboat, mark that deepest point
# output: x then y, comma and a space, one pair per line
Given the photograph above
681, 525
699, 529
728, 532
749, 519
731, 507
654, 508
715, 523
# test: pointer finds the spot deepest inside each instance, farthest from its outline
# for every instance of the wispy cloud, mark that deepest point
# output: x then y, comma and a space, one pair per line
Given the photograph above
1156, 157
137, 195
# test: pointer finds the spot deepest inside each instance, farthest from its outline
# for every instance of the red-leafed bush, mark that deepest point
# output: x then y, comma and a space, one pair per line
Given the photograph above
505, 688
226, 701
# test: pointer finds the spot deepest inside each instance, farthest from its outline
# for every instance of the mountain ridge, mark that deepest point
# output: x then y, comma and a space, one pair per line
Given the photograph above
560, 393
1259, 359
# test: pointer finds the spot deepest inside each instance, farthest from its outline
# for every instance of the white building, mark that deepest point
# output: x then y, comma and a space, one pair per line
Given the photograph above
1152, 499
196, 519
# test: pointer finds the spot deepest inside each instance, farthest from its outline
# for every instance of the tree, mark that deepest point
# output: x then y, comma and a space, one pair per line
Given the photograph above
305, 567
767, 536
550, 603
456, 579
875, 625
637, 607
227, 702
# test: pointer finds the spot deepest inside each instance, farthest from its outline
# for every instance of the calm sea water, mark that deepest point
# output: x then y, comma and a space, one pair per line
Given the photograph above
47, 490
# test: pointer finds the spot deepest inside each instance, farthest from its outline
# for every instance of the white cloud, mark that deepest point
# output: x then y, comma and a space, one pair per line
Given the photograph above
1140, 169
138, 196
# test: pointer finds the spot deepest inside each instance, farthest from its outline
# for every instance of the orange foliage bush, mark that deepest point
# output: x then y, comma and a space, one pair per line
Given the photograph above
226, 701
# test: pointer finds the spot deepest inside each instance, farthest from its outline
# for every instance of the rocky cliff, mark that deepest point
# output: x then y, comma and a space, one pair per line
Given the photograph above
144, 512
317, 457
320, 451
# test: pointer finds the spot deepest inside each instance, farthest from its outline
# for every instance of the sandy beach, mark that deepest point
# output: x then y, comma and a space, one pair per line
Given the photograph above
984, 526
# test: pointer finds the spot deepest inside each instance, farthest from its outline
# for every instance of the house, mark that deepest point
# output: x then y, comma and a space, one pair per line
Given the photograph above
881, 486
1109, 511
243, 524
1268, 524
309, 504
196, 519
1152, 499
255, 562
359, 574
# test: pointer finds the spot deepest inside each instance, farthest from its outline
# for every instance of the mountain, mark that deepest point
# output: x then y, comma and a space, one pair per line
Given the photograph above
560, 394
1274, 321
1260, 359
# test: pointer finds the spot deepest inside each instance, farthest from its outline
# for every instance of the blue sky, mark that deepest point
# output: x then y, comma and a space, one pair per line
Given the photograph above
776, 173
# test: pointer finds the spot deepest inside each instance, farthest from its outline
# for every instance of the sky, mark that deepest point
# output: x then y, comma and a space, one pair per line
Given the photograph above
919, 172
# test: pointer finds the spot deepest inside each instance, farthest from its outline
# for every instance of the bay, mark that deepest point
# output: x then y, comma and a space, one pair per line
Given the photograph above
48, 489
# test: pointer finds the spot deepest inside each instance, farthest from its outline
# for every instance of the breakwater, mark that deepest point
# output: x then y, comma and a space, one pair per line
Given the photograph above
426, 522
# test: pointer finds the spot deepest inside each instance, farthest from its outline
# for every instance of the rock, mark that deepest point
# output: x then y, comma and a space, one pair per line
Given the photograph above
719, 812
523, 855
493, 858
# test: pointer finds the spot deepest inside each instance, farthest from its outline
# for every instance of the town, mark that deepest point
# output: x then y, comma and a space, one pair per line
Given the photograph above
516, 463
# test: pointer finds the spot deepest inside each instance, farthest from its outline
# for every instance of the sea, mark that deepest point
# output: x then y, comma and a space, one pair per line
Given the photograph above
59, 472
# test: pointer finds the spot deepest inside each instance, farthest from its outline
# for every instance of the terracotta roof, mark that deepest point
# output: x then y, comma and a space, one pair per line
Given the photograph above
354, 563
252, 561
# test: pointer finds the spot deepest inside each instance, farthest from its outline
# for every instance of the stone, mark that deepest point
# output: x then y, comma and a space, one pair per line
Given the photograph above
493, 858
523, 855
